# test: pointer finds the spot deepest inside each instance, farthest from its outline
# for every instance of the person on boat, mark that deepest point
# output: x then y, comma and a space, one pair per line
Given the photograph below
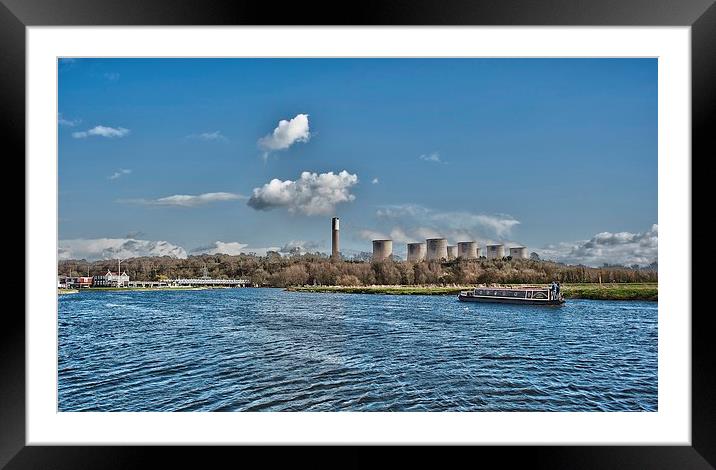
557, 287
553, 289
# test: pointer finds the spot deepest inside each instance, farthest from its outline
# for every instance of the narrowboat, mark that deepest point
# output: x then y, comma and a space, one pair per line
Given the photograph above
529, 295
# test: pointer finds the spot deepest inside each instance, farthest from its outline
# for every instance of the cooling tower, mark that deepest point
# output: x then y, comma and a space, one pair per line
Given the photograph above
436, 248
382, 249
416, 251
452, 251
518, 252
467, 250
495, 251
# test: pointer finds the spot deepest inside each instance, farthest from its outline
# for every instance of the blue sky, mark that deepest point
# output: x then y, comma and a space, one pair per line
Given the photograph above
559, 155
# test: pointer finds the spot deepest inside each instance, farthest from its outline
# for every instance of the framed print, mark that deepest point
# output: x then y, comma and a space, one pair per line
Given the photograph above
422, 225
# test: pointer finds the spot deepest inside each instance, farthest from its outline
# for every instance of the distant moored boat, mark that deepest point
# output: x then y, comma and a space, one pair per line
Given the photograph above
531, 295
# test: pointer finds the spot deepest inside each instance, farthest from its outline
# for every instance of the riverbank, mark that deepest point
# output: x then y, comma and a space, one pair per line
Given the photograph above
145, 289
635, 291
61, 291
627, 291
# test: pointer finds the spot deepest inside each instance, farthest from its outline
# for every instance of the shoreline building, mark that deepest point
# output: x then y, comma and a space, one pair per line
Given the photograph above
382, 249
335, 238
518, 252
468, 250
416, 252
436, 248
495, 251
112, 279
79, 282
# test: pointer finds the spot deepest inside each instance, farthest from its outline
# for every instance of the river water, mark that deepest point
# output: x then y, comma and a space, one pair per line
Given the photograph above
267, 349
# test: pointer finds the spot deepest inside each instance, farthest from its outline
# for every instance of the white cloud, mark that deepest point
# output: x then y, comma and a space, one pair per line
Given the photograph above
399, 235
432, 157
232, 249
219, 247
102, 131
119, 173
424, 233
500, 225
416, 222
187, 200
286, 134
215, 136
300, 247
311, 194
606, 247
372, 235
110, 248
375, 181
397, 211
62, 121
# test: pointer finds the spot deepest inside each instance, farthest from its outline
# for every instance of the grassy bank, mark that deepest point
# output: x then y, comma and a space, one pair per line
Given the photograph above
630, 291
641, 291
393, 290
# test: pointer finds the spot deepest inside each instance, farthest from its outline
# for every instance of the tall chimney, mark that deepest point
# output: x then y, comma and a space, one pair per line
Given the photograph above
335, 250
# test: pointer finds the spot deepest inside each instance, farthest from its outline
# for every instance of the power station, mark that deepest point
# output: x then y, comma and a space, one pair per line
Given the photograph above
382, 249
468, 250
436, 248
335, 238
416, 252
518, 252
495, 251
433, 249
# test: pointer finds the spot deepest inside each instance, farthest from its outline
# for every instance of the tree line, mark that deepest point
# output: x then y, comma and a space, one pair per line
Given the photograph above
274, 270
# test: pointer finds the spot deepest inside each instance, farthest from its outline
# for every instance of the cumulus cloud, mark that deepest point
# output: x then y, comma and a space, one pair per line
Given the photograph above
606, 247
102, 131
286, 134
375, 181
232, 249
110, 248
311, 194
187, 200
431, 157
219, 247
300, 247
215, 136
119, 173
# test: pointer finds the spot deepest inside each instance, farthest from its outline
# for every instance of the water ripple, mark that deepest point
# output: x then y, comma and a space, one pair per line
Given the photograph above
270, 350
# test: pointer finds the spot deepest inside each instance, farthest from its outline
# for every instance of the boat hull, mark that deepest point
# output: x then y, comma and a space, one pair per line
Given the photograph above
503, 300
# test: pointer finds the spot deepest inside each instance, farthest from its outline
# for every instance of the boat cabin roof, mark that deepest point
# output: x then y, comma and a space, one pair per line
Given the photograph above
513, 288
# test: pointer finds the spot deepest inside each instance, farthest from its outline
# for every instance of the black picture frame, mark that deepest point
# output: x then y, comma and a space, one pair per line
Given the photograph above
16, 15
